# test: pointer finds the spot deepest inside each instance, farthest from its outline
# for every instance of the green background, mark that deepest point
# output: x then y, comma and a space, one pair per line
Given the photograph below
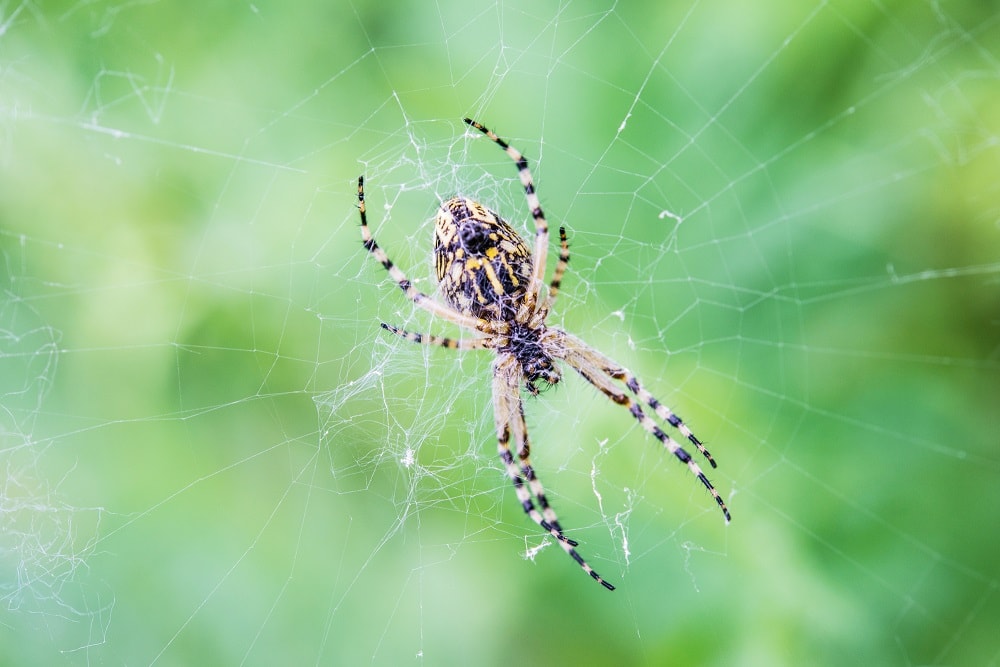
784, 217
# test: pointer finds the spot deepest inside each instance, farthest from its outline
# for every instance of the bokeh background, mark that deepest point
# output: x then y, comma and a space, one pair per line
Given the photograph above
784, 216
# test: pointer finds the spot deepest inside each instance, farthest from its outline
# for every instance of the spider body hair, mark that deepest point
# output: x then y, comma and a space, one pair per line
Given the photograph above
531, 346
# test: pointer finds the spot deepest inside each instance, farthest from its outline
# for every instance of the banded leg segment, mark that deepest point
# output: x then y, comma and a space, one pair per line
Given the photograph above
520, 431
632, 382
411, 292
560, 271
534, 205
592, 367
662, 411
509, 417
440, 341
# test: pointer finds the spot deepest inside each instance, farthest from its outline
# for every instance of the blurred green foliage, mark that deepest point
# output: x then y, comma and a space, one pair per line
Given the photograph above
783, 216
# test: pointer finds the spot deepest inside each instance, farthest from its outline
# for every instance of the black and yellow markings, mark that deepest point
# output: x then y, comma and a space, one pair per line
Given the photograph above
482, 264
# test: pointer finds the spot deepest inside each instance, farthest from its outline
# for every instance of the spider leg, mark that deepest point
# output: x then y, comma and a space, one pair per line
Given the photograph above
509, 415
541, 225
441, 341
411, 292
507, 403
662, 411
632, 382
528, 471
557, 275
600, 371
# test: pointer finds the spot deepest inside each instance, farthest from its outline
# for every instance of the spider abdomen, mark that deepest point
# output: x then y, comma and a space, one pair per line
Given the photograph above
483, 266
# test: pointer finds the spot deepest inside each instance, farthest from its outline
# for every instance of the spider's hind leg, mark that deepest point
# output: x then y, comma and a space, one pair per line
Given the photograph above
541, 225
397, 275
557, 275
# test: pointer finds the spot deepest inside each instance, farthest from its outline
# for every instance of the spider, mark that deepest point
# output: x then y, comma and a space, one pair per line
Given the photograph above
494, 285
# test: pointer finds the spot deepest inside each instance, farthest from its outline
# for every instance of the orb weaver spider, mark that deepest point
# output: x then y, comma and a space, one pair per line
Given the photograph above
493, 284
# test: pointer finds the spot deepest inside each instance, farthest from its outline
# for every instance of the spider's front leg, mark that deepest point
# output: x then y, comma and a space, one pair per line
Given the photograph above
601, 372
509, 415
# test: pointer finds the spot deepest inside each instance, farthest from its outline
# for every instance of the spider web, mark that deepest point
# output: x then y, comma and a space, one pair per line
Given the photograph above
783, 218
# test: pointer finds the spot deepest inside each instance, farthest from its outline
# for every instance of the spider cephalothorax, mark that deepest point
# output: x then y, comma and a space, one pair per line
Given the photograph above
531, 347
494, 285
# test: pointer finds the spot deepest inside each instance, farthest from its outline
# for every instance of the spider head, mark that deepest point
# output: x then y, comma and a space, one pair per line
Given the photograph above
537, 365
548, 375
